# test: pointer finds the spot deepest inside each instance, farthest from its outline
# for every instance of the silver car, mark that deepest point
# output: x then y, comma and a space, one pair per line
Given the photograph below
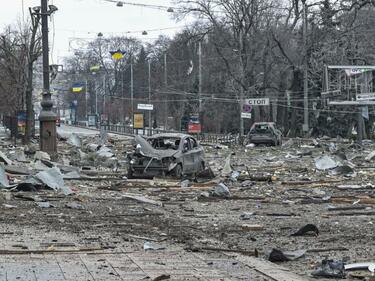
264, 133
166, 154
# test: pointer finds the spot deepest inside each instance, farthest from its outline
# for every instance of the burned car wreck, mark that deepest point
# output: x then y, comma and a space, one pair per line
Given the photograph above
264, 133
165, 154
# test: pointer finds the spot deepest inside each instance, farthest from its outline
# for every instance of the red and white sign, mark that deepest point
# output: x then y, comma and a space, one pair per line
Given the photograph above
194, 128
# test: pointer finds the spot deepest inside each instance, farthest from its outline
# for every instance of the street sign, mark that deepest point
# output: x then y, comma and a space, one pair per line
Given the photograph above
358, 103
356, 71
246, 108
245, 115
194, 128
145, 106
366, 96
258, 102
194, 125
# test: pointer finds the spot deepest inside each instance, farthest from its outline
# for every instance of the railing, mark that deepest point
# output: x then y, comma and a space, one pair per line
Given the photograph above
228, 139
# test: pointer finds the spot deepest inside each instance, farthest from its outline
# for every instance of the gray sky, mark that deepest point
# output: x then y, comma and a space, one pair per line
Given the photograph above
77, 21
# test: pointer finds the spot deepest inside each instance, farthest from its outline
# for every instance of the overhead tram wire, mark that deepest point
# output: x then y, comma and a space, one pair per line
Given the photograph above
156, 7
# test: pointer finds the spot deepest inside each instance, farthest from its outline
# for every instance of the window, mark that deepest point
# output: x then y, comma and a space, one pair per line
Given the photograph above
193, 143
187, 145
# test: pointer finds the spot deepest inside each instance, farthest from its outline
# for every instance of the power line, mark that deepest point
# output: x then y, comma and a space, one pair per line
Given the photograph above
156, 7
122, 32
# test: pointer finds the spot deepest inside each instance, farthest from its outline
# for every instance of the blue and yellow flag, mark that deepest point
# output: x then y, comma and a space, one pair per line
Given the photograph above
95, 68
77, 87
117, 55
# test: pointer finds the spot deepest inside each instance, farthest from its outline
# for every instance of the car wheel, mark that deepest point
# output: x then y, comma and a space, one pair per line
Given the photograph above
201, 167
130, 174
177, 171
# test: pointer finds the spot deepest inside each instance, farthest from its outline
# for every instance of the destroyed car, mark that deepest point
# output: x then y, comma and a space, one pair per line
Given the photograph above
165, 154
264, 133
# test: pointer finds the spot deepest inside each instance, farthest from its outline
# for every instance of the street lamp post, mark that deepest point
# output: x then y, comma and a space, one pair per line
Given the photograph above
149, 98
305, 73
46, 117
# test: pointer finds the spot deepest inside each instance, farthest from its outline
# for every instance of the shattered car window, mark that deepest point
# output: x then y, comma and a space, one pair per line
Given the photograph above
165, 143
262, 129
193, 143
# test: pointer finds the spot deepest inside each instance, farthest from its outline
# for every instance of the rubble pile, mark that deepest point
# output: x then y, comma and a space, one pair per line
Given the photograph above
308, 204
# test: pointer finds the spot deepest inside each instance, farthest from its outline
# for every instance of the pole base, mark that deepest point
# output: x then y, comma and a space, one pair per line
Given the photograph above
48, 136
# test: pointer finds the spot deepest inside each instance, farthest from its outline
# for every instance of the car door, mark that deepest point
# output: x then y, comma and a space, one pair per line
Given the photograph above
187, 156
197, 154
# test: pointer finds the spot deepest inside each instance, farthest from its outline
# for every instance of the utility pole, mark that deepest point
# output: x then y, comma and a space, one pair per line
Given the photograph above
104, 111
242, 85
86, 99
149, 98
305, 82
200, 75
360, 125
200, 109
47, 118
166, 96
131, 90
96, 99
122, 98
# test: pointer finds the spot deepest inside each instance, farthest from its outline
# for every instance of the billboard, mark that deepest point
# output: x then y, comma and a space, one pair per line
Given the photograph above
138, 121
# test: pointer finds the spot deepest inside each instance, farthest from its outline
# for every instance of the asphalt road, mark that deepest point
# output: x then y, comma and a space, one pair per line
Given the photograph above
65, 130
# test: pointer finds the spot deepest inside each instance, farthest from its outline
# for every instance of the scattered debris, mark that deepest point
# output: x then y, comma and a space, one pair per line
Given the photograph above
370, 156
5, 159
53, 178
44, 205
252, 227
330, 269
74, 205
362, 265
282, 256
142, 199
325, 163
41, 155
343, 170
307, 229
227, 169
74, 140
8, 206
221, 190
162, 277
152, 246
4, 182
185, 183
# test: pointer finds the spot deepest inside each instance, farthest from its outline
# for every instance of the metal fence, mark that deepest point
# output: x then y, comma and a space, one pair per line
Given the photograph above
226, 139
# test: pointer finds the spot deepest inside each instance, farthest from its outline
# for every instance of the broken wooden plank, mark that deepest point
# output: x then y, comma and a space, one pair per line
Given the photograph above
310, 182
347, 208
371, 213
350, 200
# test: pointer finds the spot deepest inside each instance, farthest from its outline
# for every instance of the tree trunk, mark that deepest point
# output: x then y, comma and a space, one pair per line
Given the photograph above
29, 104
29, 88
